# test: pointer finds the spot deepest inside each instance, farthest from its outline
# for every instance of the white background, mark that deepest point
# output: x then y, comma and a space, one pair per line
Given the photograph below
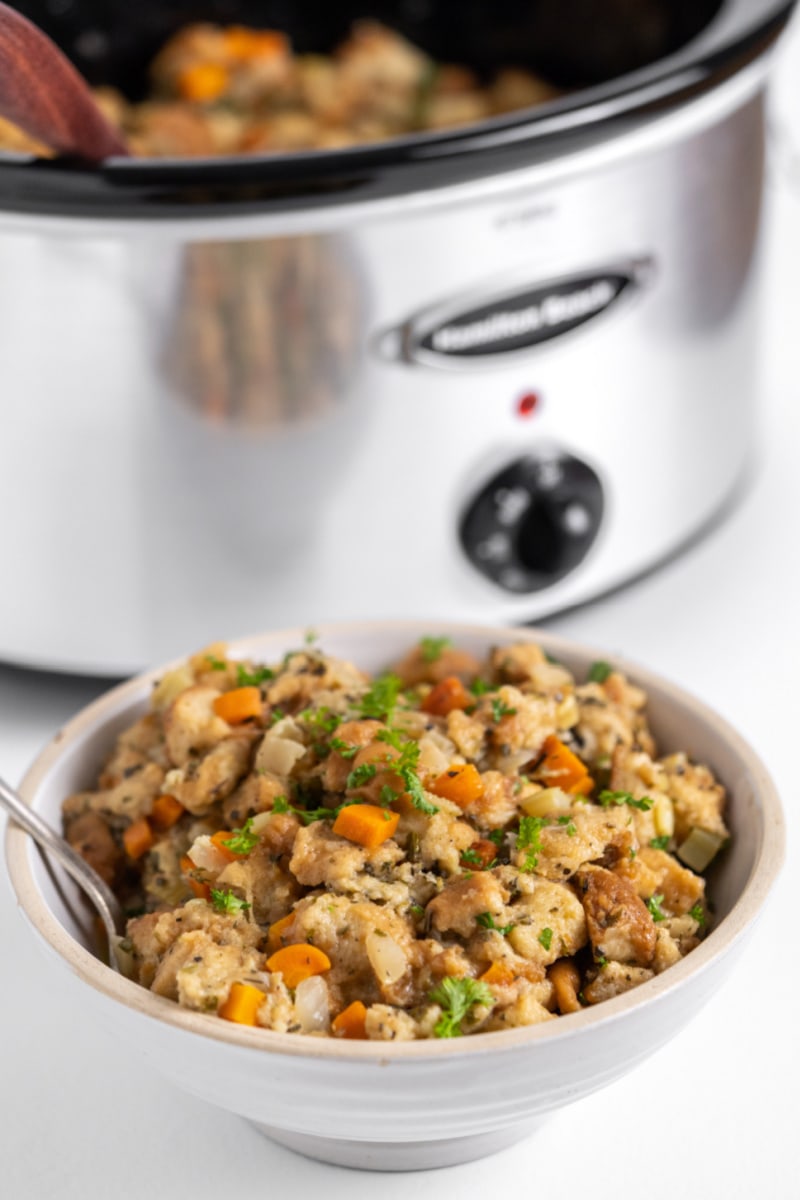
714, 1114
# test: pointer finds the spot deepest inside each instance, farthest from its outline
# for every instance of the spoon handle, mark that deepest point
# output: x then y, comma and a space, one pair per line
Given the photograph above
85, 876
45, 95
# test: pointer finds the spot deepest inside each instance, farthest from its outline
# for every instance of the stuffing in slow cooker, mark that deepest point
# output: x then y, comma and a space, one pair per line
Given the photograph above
233, 90
451, 847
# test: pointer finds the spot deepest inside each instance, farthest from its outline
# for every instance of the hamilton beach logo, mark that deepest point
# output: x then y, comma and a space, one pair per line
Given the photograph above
514, 321
549, 314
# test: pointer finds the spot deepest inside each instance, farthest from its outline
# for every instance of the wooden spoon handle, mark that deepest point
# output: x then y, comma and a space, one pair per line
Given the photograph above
42, 93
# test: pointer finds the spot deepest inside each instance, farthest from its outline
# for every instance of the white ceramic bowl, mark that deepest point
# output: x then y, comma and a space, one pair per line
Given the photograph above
414, 1104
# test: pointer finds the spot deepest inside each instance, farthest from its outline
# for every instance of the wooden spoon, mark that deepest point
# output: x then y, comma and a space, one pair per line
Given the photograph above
42, 93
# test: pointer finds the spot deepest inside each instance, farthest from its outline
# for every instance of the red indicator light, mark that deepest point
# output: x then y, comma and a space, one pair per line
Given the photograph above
527, 404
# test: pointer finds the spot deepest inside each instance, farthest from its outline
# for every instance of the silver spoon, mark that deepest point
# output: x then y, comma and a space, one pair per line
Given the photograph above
85, 876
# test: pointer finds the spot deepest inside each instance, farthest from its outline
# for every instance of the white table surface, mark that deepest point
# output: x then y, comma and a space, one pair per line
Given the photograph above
715, 1113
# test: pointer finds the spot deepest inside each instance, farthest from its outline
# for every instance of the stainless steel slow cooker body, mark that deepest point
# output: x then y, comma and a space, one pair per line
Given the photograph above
496, 371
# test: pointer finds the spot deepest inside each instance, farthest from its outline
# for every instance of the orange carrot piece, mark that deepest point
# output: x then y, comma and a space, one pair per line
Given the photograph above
138, 838
276, 931
563, 769
351, 1021
166, 811
366, 824
244, 43
242, 1004
239, 705
203, 82
462, 784
200, 889
297, 963
219, 838
446, 696
498, 973
479, 856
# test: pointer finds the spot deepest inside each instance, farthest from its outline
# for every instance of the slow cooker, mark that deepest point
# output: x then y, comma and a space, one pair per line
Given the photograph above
488, 372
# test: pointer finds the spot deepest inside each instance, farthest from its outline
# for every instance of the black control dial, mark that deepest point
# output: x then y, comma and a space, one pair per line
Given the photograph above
533, 522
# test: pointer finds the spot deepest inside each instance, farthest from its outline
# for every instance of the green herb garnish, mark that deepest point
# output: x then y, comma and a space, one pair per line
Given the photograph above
654, 907
381, 699
697, 913
606, 799
570, 827
307, 815
497, 836
361, 775
226, 901
456, 998
255, 678
243, 840
431, 648
487, 921
479, 687
344, 748
216, 664
660, 843
500, 709
546, 938
530, 838
599, 671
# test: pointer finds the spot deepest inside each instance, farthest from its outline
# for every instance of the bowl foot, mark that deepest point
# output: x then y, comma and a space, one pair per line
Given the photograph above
400, 1156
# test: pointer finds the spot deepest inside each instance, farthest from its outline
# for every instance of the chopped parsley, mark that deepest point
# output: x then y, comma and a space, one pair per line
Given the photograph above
216, 664
530, 838
243, 840
343, 747
697, 913
500, 709
654, 907
599, 671
570, 827
226, 901
431, 648
310, 637
600, 959
276, 715
606, 799
405, 767
361, 775
479, 687
307, 815
497, 836
255, 678
456, 998
381, 699
417, 910
388, 795
321, 720
546, 938
660, 843
488, 922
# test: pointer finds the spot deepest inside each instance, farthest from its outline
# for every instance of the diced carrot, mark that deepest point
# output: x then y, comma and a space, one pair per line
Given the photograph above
201, 890
165, 812
138, 838
351, 1021
480, 855
239, 705
462, 784
244, 43
242, 1004
446, 696
366, 824
219, 840
276, 931
498, 973
297, 963
563, 769
203, 82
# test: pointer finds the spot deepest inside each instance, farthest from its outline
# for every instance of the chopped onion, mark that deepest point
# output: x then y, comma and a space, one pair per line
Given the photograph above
208, 857
278, 755
387, 959
699, 848
664, 816
545, 802
170, 685
311, 1005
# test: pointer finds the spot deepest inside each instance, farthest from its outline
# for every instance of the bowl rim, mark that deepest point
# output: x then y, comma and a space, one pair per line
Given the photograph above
91, 970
